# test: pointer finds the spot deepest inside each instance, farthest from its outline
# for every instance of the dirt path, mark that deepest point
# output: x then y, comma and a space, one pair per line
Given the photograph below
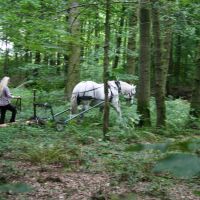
53, 183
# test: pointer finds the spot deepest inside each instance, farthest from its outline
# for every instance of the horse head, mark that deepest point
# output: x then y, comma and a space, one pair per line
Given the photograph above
128, 90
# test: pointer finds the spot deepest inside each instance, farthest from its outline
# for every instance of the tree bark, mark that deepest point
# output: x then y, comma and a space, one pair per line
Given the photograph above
106, 72
96, 34
52, 59
166, 54
130, 68
177, 67
144, 64
170, 66
46, 59
37, 61
119, 39
73, 69
195, 102
58, 63
159, 67
6, 58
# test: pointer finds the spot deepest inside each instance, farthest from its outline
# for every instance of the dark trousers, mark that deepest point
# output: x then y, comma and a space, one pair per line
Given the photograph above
3, 113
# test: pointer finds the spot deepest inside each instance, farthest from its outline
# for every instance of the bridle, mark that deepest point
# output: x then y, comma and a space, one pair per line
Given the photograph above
130, 95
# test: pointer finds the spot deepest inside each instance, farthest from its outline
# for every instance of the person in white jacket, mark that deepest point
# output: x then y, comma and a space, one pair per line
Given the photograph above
5, 101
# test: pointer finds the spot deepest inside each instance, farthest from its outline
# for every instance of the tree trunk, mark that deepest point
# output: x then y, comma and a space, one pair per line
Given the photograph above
130, 68
170, 66
73, 73
106, 72
195, 102
37, 61
6, 59
26, 56
159, 67
96, 34
52, 60
124, 44
65, 67
166, 54
144, 64
58, 63
119, 39
46, 59
177, 67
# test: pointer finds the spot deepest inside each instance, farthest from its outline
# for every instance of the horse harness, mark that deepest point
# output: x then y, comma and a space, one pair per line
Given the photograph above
117, 83
84, 97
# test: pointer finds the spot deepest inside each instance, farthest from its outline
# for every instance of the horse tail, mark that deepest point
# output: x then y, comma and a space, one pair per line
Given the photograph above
74, 103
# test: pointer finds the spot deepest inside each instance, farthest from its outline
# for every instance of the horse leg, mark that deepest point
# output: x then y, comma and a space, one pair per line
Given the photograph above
116, 106
74, 105
85, 107
101, 108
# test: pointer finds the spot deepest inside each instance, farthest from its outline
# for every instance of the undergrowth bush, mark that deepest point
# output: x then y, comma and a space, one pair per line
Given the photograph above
61, 153
177, 113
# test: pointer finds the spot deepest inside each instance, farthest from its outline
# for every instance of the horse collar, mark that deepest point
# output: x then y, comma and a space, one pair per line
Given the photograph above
118, 86
111, 94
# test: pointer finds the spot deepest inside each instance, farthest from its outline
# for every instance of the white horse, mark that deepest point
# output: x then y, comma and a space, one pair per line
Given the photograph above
90, 92
124, 88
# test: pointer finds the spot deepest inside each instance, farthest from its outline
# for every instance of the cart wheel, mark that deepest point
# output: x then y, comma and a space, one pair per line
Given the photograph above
59, 127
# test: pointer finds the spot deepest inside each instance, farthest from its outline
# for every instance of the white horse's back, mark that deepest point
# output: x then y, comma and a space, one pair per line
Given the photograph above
86, 90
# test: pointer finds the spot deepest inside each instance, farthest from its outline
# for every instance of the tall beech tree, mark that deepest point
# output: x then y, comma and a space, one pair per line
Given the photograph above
73, 73
119, 38
6, 57
37, 62
131, 47
143, 90
106, 72
160, 72
195, 102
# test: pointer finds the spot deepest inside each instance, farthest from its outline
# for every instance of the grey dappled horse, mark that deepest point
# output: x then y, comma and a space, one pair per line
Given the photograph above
87, 93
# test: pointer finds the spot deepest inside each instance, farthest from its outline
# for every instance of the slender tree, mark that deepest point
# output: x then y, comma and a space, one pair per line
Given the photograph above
37, 61
159, 67
195, 102
96, 34
6, 57
106, 65
58, 63
46, 59
52, 59
73, 73
131, 59
119, 38
177, 66
144, 64
166, 52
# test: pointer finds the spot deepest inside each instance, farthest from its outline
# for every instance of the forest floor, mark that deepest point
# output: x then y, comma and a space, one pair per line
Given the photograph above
100, 171
40, 163
52, 183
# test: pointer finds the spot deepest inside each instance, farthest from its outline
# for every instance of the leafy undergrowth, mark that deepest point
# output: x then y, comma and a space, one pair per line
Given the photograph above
38, 162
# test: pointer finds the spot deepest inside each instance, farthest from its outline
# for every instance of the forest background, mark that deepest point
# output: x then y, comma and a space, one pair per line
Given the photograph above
52, 45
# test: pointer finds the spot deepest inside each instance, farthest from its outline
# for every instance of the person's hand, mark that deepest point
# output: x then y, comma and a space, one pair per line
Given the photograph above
16, 97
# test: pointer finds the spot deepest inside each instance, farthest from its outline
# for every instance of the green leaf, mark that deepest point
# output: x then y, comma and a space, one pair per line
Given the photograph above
197, 193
